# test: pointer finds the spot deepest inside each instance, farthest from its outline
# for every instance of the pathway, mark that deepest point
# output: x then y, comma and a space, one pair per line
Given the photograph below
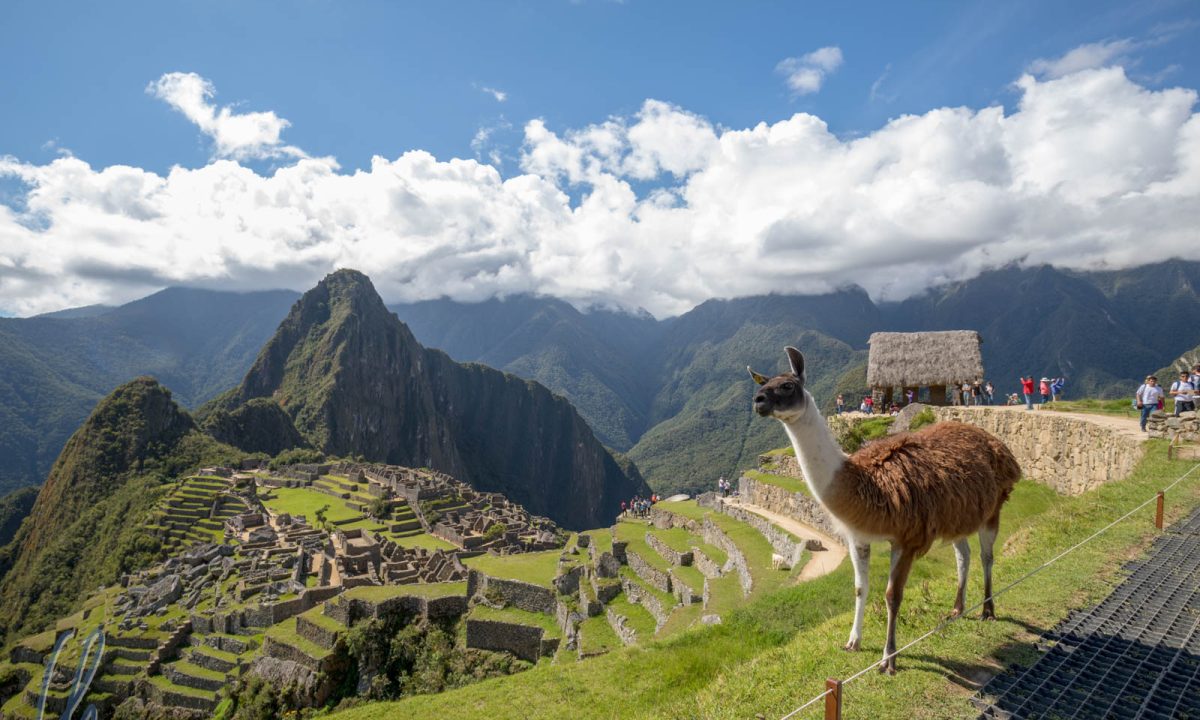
1124, 425
822, 562
1135, 655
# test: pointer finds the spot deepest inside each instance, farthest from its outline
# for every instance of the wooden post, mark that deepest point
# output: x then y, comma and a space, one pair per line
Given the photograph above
1158, 512
833, 701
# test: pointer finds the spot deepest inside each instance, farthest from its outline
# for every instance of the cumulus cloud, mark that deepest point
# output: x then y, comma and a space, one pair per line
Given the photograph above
235, 135
807, 73
661, 209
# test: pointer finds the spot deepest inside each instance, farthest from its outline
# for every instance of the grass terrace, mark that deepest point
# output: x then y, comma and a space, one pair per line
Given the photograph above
377, 593
1122, 407
791, 484
517, 616
306, 502
538, 568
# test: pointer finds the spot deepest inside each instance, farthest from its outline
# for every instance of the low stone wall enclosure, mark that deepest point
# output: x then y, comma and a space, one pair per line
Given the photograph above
1066, 453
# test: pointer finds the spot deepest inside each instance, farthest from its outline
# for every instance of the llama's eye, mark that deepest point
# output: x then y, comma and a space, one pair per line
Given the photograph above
787, 387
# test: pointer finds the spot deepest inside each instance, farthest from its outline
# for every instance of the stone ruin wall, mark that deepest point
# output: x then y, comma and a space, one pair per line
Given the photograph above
1065, 453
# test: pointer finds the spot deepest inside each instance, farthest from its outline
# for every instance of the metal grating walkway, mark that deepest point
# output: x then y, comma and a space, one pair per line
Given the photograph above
1135, 655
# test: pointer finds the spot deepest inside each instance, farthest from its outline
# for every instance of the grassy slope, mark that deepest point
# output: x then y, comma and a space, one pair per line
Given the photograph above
775, 653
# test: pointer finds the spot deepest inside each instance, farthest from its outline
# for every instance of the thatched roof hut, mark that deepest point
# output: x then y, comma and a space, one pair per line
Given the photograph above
924, 359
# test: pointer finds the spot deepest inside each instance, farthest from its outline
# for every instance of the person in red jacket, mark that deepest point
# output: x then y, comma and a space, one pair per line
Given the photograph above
1027, 390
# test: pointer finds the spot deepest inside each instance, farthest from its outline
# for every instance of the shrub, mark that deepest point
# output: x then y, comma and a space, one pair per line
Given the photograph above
921, 419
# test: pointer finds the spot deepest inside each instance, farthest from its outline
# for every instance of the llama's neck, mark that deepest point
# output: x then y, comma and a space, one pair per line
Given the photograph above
817, 451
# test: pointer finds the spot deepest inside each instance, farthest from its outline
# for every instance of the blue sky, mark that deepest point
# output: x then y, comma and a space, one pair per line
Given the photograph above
648, 109
365, 78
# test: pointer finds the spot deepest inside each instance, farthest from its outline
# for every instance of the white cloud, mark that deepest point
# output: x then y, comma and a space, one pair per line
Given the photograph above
807, 73
235, 135
1084, 57
498, 95
1088, 170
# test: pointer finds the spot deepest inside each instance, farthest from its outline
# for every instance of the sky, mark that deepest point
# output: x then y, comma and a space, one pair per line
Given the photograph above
627, 154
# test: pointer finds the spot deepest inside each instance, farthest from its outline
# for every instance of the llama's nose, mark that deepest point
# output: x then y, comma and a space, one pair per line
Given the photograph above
760, 404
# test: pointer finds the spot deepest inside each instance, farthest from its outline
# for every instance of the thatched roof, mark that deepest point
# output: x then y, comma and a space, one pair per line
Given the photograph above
924, 358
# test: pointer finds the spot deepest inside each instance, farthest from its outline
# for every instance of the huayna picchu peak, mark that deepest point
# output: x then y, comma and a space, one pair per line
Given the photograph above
354, 381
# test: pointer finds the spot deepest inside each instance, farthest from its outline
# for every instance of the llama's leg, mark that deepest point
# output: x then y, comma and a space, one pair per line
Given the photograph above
901, 565
860, 558
962, 558
987, 539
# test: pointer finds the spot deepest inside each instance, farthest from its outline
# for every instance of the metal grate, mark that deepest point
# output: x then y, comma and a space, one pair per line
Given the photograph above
1135, 655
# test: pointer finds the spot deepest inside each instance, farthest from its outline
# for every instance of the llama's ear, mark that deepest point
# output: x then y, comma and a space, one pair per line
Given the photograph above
797, 361
760, 379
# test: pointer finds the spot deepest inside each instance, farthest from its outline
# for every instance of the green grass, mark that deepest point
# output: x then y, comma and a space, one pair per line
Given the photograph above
776, 652
163, 683
640, 619
1121, 407
285, 632
597, 636
377, 593
420, 540
538, 568
302, 501
791, 484
517, 616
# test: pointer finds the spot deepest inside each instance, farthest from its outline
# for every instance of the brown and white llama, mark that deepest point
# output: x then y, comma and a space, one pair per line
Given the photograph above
945, 482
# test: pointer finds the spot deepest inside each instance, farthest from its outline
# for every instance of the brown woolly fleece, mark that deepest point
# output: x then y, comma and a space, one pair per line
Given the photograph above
944, 482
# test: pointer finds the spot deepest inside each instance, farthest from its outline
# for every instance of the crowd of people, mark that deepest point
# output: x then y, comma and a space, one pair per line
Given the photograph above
638, 506
1040, 392
1183, 391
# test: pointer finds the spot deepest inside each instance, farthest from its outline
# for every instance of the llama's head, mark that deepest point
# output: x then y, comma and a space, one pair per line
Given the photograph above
782, 397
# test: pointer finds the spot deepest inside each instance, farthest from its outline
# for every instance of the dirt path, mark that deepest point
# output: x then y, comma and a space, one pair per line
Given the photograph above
824, 561
1124, 425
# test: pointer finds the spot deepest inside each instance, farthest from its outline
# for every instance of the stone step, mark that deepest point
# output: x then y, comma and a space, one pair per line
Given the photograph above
190, 675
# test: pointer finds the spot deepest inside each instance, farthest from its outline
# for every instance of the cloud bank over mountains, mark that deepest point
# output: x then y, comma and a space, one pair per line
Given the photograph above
660, 210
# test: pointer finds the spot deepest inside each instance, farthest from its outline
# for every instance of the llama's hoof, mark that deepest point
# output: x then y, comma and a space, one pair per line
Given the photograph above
989, 613
955, 612
851, 645
888, 667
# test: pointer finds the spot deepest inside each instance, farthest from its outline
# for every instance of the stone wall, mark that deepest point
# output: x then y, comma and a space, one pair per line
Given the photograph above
668, 553
1070, 455
652, 575
524, 641
797, 505
712, 535
1185, 427
782, 542
522, 595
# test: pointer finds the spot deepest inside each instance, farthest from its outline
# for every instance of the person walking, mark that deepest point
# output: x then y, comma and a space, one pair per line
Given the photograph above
976, 394
1149, 394
841, 404
1184, 393
1027, 391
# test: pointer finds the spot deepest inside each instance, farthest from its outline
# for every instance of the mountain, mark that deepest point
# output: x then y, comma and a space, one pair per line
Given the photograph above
86, 526
13, 509
593, 359
353, 380
53, 369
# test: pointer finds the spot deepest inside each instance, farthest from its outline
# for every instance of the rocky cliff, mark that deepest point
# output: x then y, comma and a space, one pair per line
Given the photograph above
354, 381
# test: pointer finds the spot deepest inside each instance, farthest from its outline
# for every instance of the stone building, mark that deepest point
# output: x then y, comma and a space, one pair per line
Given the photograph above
928, 363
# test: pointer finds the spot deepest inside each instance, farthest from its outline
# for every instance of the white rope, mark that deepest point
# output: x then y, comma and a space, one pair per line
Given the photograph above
1000, 592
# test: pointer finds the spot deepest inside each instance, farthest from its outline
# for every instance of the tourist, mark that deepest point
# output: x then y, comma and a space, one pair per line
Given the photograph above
989, 392
841, 404
976, 393
869, 401
966, 393
908, 396
1184, 393
1147, 398
1195, 376
1044, 389
1027, 391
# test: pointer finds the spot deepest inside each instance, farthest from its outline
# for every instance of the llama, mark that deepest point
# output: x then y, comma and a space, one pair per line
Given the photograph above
944, 482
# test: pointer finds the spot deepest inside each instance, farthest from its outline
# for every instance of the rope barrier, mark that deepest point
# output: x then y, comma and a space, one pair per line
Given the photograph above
1001, 591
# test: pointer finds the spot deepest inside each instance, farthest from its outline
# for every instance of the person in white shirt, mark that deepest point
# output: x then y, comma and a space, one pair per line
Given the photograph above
1184, 392
1147, 397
